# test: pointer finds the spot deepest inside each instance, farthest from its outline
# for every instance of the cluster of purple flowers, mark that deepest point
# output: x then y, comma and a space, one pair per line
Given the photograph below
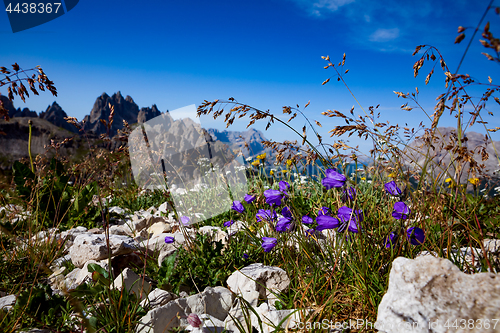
401, 211
345, 219
238, 207
274, 198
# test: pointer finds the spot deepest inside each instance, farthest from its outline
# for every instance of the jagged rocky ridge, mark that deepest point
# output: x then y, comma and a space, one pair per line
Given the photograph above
51, 126
417, 152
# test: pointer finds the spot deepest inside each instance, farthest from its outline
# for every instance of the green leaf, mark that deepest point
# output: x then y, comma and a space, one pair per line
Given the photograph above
56, 166
167, 268
99, 274
84, 197
21, 174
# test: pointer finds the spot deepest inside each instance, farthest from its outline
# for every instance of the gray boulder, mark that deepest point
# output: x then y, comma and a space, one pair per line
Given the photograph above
267, 280
427, 294
215, 302
93, 247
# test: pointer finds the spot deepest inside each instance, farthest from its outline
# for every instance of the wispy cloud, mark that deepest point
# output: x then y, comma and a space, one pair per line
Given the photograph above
331, 5
321, 7
392, 25
384, 35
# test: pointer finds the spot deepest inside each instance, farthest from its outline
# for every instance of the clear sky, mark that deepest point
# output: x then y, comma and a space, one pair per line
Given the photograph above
266, 53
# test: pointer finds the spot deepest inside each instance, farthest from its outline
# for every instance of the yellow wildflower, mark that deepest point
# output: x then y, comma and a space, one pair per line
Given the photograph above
261, 156
256, 162
288, 162
272, 172
284, 171
392, 175
363, 178
474, 181
449, 180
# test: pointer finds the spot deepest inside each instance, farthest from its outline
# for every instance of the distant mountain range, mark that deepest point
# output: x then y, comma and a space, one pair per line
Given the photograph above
125, 109
416, 153
51, 125
236, 141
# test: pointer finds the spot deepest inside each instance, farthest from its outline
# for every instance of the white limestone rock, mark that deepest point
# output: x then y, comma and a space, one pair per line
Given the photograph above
235, 227
7, 302
168, 249
117, 210
93, 247
46, 236
69, 281
118, 230
157, 297
56, 264
266, 280
466, 257
155, 219
426, 293
122, 245
155, 243
159, 228
129, 280
164, 208
161, 319
215, 302
73, 232
240, 310
470, 258
78, 276
215, 232
88, 247
492, 245
57, 277
271, 318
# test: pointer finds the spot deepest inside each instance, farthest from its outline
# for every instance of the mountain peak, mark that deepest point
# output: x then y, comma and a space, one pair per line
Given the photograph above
55, 114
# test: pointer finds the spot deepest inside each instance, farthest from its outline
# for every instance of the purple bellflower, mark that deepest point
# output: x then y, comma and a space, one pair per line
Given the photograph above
228, 223
185, 220
415, 235
238, 206
284, 224
324, 211
273, 197
350, 219
249, 198
326, 222
268, 243
401, 211
307, 220
266, 215
333, 179
392, 188
349, 194
391, 239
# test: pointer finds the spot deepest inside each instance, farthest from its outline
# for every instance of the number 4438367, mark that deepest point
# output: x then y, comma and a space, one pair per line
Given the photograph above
471, 323
33, 8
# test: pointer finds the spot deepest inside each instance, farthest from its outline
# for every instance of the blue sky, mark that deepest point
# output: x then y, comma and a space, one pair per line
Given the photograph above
263, 53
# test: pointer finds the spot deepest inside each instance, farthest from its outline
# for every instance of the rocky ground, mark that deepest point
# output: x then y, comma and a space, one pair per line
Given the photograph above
425, 294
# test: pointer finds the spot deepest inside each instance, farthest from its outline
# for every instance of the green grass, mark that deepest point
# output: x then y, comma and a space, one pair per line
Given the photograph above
344, 280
